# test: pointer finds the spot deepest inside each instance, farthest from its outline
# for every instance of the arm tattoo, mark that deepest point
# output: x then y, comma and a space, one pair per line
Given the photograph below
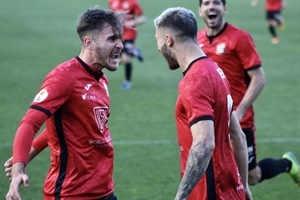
198, 160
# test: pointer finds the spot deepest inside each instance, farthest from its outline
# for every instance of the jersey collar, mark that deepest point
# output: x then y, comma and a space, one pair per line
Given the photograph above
214, 36
191, 64
97, 75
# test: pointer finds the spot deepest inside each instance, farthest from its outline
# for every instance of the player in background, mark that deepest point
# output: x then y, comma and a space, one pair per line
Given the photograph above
234, 51
133, 9
79, 139
273, 16
213, 163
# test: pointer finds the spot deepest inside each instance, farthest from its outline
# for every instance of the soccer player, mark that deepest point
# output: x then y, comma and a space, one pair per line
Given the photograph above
273, 16
213, 162
234, 51
74, 103
137, 17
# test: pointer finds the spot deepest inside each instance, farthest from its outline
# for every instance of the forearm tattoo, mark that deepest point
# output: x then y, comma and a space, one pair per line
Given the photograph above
198, 160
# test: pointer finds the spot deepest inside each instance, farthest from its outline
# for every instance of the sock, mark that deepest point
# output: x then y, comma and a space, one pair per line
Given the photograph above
128, 71
272, 167
272, 31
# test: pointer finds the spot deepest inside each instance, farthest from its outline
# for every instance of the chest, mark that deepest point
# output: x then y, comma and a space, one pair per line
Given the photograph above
218, 47
89, 94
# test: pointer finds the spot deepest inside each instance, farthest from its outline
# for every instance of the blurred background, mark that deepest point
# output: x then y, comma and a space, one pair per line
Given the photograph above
35, 36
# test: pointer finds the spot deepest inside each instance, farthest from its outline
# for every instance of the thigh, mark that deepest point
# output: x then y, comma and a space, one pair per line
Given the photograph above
128, 47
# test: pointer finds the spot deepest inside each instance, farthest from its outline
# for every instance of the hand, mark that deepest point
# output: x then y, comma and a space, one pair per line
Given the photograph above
123, 16
248, 194
18, 177
239, 115
129, 24
8, 167
240, 112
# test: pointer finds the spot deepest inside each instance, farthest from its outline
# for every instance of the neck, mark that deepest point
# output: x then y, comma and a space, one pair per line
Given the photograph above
187, 53
88, 59
214, 31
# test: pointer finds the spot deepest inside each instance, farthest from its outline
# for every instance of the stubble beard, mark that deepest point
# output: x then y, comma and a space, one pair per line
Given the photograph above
172, 62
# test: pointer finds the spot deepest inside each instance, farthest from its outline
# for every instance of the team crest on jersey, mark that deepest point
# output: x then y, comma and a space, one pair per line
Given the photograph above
220, 48
41, 96
101, 116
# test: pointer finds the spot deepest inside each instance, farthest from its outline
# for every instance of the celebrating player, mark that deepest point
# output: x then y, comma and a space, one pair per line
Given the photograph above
213, 163
75, 104
234, 51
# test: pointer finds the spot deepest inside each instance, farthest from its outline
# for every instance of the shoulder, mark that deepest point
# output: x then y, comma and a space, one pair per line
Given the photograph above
237, 31
64, 71
201, 34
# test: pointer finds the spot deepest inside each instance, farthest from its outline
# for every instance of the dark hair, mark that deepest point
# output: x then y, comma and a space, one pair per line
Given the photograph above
223, 2
180, 20
95, 19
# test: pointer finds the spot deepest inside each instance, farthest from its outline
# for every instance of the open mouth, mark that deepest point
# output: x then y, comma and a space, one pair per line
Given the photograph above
212, 16
115, 55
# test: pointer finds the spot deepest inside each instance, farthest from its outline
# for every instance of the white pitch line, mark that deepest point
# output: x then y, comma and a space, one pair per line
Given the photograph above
166, 142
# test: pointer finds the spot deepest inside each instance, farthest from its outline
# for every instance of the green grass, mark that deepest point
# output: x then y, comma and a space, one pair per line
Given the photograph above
37, 35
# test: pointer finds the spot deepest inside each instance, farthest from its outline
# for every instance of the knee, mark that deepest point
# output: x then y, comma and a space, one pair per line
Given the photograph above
254, 176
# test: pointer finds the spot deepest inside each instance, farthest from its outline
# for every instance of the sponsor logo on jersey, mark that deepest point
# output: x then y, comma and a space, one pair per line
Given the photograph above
41, 96
101, 143
87, 87
85, 96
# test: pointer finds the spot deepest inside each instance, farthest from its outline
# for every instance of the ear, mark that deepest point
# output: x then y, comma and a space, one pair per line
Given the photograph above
225, 9
87, 43
199, 11
169, 40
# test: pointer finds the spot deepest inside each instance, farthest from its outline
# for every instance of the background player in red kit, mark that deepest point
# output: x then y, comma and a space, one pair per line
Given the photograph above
234, 51
210, 167
273, 16
74, 102
134, 10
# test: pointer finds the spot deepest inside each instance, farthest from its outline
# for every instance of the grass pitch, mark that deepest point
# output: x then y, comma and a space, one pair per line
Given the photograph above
37, 35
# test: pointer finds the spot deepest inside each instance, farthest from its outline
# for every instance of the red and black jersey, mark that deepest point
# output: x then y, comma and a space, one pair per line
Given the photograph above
76, 100
234, 51
204, 94
132, 7
273, 5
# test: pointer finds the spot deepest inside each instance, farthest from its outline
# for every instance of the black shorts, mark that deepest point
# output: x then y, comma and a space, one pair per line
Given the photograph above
251, 146
274, 15
128, 47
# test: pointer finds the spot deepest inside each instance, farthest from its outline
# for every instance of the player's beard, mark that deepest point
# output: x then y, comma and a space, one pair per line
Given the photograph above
103, 59
172, 62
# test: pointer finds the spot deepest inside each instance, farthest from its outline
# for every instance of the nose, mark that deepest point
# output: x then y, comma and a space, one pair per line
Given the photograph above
120, 45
